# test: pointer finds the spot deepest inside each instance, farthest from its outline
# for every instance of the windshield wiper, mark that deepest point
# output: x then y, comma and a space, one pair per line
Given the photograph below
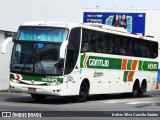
30, 58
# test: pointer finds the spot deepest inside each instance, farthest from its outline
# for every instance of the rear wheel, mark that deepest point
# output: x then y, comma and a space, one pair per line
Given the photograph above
141, 92
136, 90
83, 92
142, 89
38, 97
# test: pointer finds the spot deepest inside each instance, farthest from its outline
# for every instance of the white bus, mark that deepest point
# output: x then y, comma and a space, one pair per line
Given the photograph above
69, 59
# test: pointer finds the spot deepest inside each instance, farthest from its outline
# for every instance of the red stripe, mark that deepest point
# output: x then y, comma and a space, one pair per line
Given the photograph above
134, 64
130, 76
85, 62
124, 64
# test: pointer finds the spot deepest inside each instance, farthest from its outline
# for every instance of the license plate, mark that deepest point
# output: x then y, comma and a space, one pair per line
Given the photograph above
32, 89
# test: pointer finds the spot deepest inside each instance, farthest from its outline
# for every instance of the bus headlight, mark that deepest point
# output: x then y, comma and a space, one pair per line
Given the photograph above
14, 80
53, 83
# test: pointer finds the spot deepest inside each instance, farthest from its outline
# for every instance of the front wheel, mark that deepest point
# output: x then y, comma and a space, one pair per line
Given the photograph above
38, 97
83, 92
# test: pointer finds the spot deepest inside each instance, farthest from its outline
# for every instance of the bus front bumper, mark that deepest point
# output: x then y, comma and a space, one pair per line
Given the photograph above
34, 89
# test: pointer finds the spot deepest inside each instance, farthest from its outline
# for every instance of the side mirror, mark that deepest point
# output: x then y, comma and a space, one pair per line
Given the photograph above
5, 43
63, 49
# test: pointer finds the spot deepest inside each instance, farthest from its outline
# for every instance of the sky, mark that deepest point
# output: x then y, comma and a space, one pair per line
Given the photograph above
140, 4
15, 12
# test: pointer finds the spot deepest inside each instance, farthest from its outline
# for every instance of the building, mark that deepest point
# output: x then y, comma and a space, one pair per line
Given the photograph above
5, 60
14, 13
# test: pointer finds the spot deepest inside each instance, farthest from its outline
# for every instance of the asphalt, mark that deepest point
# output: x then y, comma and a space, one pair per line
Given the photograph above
96, 107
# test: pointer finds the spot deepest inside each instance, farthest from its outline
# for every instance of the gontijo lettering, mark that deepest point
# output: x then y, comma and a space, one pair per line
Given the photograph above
99, 62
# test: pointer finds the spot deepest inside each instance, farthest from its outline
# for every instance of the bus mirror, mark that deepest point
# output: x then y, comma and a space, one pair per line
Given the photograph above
63, 49
5, 43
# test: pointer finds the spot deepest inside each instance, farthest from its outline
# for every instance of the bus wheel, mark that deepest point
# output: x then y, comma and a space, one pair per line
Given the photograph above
143, 88
83, 92
38, 97
141, 92
135, 91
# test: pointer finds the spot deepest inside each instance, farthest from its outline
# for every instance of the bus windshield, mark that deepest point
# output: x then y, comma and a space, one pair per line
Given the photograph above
37, 58
47, 34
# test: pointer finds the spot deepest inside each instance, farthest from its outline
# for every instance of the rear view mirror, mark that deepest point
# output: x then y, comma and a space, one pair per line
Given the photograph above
5, 44
63, 49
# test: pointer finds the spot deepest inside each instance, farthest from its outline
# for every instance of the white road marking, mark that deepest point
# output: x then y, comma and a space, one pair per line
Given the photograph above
132, 101
112, 102
140, 102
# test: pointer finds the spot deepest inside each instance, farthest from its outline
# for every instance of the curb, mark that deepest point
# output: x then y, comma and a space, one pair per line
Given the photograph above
4, 91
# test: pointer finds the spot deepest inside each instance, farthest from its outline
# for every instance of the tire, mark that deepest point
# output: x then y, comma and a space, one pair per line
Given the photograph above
38, 97
83, 92
142, 90
136, 90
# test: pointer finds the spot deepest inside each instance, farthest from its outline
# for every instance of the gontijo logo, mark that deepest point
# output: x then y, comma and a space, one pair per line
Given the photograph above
98, 62
95, 62
117, 63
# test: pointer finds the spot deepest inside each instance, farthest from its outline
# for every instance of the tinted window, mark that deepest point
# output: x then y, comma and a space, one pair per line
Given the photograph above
48, 34
100, 42
72, 50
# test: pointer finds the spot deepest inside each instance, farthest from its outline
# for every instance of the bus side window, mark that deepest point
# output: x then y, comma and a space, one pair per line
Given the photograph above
92, 43
143, 49
116, 45
85, 45
104, 43
122, 46
148, 49
154, 50
110, 44
85, 41
130, 50
99, 50
136, 48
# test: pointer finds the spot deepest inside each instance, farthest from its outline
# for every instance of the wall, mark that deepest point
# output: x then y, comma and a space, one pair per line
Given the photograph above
4, 64
15, 12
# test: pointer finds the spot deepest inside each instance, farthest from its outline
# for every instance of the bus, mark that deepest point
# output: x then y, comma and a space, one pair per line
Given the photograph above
80, 59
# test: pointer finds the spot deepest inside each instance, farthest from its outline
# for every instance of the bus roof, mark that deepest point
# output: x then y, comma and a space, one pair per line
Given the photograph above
92, 26
51, 24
